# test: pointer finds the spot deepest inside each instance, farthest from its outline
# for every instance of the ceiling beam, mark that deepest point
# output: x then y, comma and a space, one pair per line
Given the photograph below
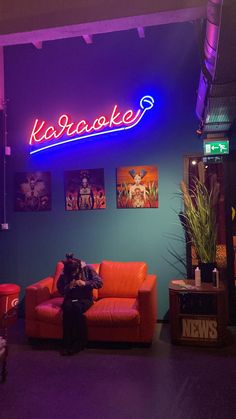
20, 34
88, 39
38, 44
141, 32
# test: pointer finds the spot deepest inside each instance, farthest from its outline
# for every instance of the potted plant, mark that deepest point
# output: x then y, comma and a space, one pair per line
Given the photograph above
199, 220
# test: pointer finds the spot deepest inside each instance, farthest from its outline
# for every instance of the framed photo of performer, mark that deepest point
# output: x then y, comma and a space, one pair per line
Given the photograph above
32, 191
84, 190
137, 187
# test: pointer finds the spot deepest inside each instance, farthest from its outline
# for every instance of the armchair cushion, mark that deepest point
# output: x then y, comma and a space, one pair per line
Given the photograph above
121, 279
50, 311
36, 294
56, 276
113, 312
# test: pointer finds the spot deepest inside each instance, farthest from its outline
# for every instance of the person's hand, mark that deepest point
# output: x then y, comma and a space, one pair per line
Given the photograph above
80, 283
72, 284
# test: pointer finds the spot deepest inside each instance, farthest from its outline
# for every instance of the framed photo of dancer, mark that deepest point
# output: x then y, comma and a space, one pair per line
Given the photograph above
84, 190
32, 191
137, 187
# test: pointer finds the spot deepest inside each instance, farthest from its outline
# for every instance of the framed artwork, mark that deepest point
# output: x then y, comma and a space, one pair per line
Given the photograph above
84, 190
32, 191
137, 187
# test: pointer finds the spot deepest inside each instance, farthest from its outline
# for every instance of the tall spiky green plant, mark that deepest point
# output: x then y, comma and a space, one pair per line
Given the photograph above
199, 218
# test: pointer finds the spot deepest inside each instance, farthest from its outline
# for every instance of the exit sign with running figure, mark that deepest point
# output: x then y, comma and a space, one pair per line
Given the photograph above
216, 147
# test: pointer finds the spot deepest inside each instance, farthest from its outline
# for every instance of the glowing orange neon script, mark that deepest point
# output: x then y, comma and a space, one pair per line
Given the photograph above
44, 136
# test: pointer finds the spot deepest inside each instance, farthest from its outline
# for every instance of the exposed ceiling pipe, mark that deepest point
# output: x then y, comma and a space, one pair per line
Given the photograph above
214, 12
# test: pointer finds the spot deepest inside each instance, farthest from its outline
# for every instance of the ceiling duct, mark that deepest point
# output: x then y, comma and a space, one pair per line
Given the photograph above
216, 101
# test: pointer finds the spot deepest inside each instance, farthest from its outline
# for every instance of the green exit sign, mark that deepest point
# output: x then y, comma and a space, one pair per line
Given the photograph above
216, 147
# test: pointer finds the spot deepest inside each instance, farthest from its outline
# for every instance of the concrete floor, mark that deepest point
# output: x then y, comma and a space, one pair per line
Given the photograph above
107, 382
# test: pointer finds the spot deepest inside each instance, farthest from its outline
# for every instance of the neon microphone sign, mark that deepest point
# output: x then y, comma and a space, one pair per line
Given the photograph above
45, 136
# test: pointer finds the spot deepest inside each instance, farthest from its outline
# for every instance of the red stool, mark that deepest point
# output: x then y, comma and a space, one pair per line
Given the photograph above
9, 300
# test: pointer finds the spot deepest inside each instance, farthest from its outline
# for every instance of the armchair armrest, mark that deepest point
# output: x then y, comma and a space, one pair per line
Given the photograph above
147, 300
36, 294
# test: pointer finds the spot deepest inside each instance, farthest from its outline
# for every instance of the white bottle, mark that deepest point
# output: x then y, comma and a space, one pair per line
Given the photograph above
215, 278
197, 277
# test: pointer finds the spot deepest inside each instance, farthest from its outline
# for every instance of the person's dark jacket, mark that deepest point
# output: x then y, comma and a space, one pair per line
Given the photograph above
92, 280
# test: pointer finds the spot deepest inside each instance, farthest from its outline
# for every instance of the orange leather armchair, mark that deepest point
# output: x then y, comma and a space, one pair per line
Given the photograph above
124, 309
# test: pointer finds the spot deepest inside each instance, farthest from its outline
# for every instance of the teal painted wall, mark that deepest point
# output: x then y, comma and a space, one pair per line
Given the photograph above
84, 80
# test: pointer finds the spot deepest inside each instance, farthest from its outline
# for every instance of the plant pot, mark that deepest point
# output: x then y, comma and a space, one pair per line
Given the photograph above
206, 271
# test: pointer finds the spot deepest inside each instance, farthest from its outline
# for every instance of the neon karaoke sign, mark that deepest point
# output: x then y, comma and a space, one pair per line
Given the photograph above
45, 136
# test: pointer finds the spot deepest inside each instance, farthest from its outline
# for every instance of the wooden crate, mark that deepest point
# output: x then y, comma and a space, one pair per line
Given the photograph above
198, 315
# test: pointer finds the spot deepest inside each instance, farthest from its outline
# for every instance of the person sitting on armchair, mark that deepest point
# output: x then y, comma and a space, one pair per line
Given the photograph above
76, 284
